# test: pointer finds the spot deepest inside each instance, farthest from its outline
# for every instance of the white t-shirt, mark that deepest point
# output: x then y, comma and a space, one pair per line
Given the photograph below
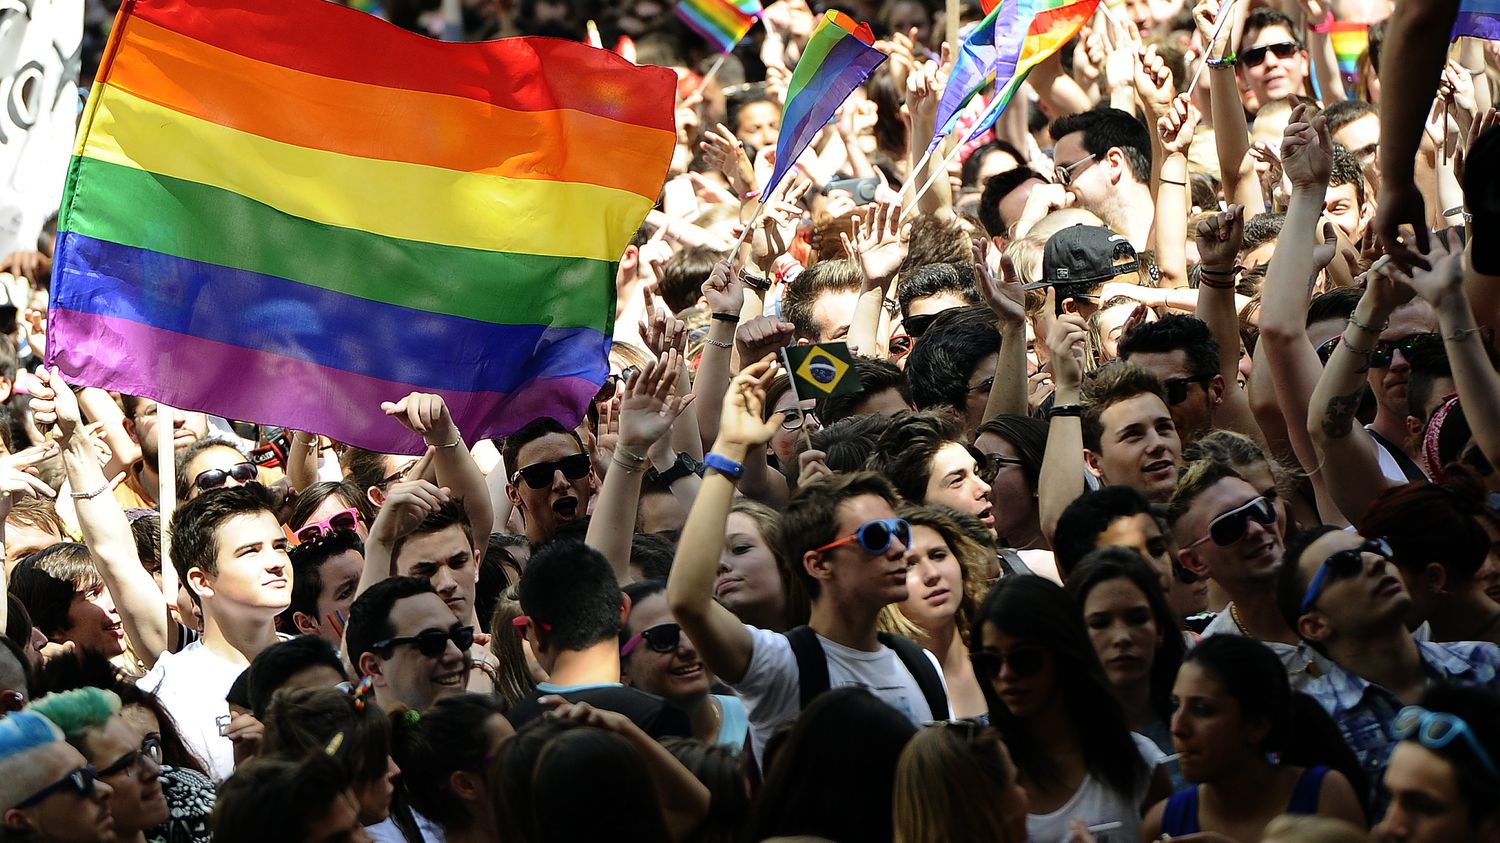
772, 692
1097, 803
386, 831
191, 685
1303, 664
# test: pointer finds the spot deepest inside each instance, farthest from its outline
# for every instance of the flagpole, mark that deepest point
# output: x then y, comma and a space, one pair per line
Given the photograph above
792, 379
941, 170
1208, 48
166, 498
912, 176
713, 69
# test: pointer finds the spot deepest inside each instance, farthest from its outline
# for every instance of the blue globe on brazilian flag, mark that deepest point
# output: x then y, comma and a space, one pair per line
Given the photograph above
822, 370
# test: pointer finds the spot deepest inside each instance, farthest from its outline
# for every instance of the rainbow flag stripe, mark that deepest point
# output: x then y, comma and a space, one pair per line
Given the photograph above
1478, 19
839, 56
990, 52
1350, 40
1055, 23
722, 22
287, 211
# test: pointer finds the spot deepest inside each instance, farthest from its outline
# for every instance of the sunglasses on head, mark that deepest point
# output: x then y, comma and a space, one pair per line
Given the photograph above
79, 781
1436, 729
875, 536
916, 326
216, 477
1423, 343
1342, 565
662, 638
1230, 527
431, 643
1177, 388
1023, 661
344, 520
539, 475
1256, 56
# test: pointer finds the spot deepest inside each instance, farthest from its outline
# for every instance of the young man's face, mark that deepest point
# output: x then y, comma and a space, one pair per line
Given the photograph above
1389, 383
758, 124
340, 578
558, 501
832, 313
977, 391
1139, 447
1251, 559
854, 575
407, 676
1141, 532
1371, 599
1342, 207
1362, 138
222, 459
953, 480
1095, 181
1426, 803
1275, 76
22, 540
254, 569
445, 559
141, 426
1193, 416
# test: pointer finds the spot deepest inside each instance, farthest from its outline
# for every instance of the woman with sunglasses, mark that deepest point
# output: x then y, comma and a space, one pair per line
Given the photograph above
1049, 698
1013, 447
445, 754
47, 789
120, 756
1252, 748
326, 507
945, 581
1135, 636
657, 657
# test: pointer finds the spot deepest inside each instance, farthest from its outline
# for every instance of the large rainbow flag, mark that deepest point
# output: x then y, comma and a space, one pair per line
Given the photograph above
1478, 19
287, 211
722, 22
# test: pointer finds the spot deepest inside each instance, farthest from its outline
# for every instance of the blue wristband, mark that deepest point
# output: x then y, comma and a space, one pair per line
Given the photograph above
724, 465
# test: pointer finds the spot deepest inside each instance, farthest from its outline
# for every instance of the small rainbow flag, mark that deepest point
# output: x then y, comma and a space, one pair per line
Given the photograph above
838, 57
287, 211
1478, 19
991, 51
722, 22
1052, 24
1350, 40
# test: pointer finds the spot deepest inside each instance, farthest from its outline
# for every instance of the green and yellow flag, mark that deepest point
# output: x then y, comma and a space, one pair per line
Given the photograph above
822, 370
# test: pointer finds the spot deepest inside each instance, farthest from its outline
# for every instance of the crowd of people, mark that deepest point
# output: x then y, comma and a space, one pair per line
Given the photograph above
1165, 507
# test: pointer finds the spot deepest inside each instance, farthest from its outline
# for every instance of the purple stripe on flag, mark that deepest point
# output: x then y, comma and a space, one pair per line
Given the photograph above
1478, 24
850, 62
259, 386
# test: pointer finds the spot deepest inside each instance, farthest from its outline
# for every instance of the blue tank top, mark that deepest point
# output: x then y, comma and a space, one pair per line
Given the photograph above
1181, 813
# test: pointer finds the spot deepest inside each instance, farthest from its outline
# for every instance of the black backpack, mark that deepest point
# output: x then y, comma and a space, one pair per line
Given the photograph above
812, 668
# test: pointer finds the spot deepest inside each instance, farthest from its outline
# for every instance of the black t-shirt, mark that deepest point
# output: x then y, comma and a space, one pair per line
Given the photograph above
654, 715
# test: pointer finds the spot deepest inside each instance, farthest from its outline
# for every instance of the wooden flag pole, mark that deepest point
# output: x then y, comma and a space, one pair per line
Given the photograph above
950, 18
792, 380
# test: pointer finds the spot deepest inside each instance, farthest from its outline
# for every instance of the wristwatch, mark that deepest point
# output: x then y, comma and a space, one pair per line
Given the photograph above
684, 465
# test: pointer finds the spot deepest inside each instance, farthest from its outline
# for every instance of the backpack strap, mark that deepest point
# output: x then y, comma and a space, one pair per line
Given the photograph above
1011, 563
812, 664
915, 659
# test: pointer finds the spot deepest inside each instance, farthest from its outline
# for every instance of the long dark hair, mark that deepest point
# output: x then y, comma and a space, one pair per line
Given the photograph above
1040, 612
1109, 563
623, 804
835, 776
449, 736
1301, 733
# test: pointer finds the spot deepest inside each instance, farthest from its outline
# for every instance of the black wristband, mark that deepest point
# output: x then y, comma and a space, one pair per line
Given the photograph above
726, 317
1065, 411
754, 282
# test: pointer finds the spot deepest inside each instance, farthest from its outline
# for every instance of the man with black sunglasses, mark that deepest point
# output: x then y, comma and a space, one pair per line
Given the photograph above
1182, 352
47, 789
1270, 59
1340, 591
1226, 530
552, 478
405, 637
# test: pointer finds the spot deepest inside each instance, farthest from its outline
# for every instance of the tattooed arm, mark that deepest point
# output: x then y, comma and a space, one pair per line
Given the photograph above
1348, 455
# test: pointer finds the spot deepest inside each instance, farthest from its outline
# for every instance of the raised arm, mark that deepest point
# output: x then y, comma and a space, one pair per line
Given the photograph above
1174, 132
1219, 240
1007, 300
302, 459
1231, 132
923, 90
725, 293
426, 415
878, 246
406, 504
1061, 479
724, 642
142, 608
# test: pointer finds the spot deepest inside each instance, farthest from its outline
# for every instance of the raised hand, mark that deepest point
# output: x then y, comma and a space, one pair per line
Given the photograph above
1003, 293
407, 503
742, 421
1068, 343
723, 289
725, 153
53, 403
775, 230
1306, 150
648, 409
1153, 81
426, 415
880, 241
761, 336
1205, 18
1220, 238
1176, 126
1447, 273
923, 92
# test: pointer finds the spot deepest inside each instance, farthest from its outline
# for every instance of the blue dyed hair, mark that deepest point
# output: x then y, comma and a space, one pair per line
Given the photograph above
24, 730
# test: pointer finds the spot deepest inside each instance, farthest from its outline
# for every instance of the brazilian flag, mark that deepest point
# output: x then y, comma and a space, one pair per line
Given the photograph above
822, 370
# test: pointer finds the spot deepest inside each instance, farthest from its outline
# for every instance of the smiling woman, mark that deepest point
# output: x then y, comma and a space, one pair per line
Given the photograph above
67, 600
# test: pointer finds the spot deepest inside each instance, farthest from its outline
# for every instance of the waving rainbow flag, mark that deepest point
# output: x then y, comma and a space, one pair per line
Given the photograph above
288, 211
723, 22
1478, 19
990, 52
839, 56
1349, 41
1053, 23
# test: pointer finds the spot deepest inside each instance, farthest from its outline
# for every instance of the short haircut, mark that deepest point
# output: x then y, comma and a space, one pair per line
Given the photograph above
875, 376
570, 592
1346, 170
996, 188
365, 469
300, 790
943, 360
1112, 383
1261, 229
1106, 128
936, 279
969, 173
1290, 584
38, 514
652, 553
275, 665
1342, 113
1265, 18
904, 452
937, 240
1173, 332
22, 734
825, 277
195, 526
683, 275
1089, 515
189, 452
849, 442
1426, 523
307, 565
450, 514
1335, 305
370, 615
47, 581
1196, 479
78, 712
510, 449
145, 528
811, 516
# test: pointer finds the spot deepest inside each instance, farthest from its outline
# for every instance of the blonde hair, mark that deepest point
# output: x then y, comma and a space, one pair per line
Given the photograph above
972, 561
1312, 829
513, 679
949, 782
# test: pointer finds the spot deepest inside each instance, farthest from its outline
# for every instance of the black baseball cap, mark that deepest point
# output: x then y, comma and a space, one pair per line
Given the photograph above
1085, 254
